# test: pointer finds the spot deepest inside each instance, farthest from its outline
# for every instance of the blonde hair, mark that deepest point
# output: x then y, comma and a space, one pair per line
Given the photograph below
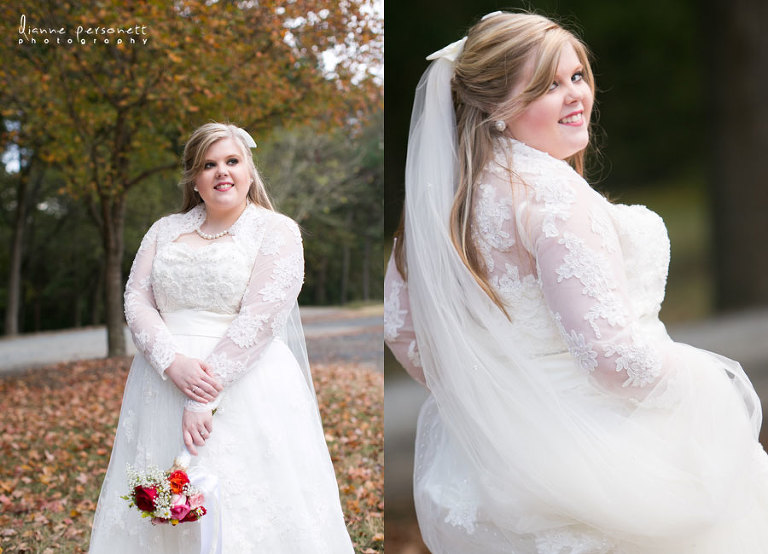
194, 158
495, 58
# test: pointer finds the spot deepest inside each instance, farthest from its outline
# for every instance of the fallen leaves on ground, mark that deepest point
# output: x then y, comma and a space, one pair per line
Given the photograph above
56, 435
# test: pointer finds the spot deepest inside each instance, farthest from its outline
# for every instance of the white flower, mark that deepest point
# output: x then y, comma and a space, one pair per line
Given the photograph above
183, 459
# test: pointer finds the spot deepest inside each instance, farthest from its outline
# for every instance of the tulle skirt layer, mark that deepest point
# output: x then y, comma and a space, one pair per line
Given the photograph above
278, 491
690, 476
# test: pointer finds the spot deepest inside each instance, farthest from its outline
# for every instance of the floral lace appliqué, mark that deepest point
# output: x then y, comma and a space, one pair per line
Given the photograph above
245, 327
413, 354
394, 316
508, 285
572, 541
463, 511
594, 272
488, 226
581, 350
271, 244
163, 351
639, 360
287, 272
279, 321
578, 346
602, 226
557, 201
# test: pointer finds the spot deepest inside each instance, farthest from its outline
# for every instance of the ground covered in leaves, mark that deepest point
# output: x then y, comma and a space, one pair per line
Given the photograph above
56, 434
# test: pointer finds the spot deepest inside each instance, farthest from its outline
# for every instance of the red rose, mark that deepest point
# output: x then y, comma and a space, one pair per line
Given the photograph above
177, 480
144, 497
194, 514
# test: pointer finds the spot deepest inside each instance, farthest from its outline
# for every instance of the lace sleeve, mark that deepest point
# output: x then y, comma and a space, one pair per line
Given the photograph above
274, 285
150, 335
398, 325
581, 271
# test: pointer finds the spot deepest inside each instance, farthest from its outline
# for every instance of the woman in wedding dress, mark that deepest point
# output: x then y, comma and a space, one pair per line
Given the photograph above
562, 419
211, 304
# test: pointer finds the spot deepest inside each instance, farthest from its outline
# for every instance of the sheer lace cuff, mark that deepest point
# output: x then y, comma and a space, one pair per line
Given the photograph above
193, 406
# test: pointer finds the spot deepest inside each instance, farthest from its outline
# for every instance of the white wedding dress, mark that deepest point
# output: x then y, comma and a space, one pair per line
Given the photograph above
576, 425
231, 303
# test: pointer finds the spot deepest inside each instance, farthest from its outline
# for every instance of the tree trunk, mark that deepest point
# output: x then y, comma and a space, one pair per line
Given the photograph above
345, 262
97, 296
345, 257
37, 312
367, 269
321, 271
113, 212
17, 247
77, 309
739, 54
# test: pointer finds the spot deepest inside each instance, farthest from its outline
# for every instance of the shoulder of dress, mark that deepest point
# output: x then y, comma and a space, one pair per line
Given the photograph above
264, 231
257, 218
170, 227
275, 221
285, 222
539, 172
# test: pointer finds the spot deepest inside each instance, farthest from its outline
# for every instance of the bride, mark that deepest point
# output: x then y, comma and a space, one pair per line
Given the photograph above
562, 419
211, 304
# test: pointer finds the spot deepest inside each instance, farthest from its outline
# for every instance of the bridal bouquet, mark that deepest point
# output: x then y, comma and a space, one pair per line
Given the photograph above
165, 496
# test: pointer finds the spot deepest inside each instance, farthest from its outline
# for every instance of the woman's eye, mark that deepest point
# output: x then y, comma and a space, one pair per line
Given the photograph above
232, 161
578, 76
208, 165
553, 86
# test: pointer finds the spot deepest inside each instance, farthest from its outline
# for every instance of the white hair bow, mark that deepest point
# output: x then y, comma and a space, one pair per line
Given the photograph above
450, 52
249, 142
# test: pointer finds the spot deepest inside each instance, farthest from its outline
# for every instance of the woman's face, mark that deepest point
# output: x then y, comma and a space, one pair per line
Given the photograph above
224, 181
557, 122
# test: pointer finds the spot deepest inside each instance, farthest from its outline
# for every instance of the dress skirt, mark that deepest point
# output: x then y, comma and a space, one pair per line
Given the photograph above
278, 491
690, 476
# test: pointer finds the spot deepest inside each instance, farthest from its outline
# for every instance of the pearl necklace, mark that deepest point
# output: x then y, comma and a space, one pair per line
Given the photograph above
206, 236
215, 236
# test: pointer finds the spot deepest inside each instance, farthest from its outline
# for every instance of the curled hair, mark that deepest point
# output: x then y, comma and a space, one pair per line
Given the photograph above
193, 161
501, 51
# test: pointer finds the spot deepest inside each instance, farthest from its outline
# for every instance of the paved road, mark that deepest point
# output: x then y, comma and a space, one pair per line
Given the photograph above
333, 335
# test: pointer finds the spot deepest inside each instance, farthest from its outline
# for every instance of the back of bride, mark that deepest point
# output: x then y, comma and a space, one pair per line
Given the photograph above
562, 419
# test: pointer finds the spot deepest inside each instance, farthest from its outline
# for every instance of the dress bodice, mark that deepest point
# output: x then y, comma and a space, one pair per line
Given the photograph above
209, 278
646, 252
252, 281
574, 272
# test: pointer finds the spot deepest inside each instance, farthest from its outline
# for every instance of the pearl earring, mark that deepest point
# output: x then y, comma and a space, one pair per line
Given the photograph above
500, 125
194, 188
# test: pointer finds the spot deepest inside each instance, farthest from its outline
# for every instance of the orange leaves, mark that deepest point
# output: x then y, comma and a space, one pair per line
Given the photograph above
54, 445
58, 425
351, 405
174, 57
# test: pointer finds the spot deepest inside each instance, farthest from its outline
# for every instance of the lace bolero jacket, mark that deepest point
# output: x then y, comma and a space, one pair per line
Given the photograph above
576, 273
257, 282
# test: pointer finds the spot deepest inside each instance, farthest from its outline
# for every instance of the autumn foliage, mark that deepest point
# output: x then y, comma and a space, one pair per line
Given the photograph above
108, 116
57, 430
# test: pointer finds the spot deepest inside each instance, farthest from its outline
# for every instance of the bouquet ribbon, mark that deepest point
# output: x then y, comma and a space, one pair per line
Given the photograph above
210, 526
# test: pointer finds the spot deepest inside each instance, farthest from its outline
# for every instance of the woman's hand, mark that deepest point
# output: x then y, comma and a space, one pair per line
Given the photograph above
196, 427
193, 378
